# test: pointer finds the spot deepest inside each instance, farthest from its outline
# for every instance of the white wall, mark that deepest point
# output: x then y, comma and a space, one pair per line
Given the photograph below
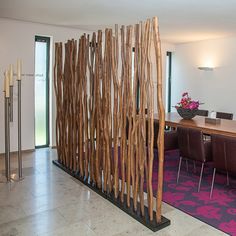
216, 89
17, 41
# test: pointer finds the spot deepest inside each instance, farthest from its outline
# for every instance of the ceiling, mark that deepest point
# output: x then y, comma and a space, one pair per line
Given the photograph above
180, 20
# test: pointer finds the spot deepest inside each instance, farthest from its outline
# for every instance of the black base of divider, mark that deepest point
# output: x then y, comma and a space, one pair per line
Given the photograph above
152, 225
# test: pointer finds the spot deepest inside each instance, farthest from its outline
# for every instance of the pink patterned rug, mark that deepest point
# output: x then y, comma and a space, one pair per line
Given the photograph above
219, 212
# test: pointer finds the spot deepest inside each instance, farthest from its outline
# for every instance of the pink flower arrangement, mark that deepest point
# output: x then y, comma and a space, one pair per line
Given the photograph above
187, 103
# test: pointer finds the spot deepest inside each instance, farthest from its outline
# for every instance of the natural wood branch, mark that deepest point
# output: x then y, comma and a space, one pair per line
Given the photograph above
161, 115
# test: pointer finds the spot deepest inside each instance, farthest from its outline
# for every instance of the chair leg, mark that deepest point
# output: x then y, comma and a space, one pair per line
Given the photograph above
180, 162
227, 178
200, 180
186, 165
194, 167
212, 183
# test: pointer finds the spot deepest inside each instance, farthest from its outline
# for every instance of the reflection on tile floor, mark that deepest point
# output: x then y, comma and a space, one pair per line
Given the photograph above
49, 202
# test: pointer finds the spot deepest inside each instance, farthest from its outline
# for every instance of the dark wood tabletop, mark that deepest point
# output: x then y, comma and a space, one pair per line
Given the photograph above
226, 127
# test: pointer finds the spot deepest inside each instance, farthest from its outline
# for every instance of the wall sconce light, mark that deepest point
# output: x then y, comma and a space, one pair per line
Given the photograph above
206, 68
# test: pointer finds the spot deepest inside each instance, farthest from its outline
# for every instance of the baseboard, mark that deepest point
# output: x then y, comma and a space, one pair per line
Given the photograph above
53, 147
15, 152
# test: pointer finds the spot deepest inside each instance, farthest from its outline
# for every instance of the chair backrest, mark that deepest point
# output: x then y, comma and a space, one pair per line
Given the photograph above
219, 151
155, 130
170, 137
191, 144
202, 112
223, 115
231, 155
127, 127
183, 142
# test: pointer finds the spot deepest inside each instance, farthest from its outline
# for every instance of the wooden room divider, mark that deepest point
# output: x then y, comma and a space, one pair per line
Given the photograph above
105, 107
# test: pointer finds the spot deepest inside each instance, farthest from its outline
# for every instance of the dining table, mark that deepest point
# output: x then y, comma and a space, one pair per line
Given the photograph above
225, 127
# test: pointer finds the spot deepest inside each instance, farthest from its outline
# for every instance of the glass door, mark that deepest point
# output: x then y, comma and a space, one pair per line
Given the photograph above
42, 45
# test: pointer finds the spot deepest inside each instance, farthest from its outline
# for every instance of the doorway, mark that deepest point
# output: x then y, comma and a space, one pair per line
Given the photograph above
168, 81
42, 49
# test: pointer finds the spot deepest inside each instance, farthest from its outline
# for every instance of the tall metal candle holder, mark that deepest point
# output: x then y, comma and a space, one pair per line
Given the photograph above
7, 136
11, 103
7, 144
8, 98
19, 154
19, 176
3, 178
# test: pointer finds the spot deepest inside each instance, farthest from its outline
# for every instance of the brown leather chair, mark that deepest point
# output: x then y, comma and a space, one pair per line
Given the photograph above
223, 153
223, 115
170, 138
230, 156
137, 110
193, 147
202, 112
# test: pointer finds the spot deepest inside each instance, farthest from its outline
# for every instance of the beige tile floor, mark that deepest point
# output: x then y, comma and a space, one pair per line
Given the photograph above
50, 202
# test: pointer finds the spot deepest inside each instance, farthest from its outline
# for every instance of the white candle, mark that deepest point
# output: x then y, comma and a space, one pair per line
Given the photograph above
11, 75
7, 88
19, 67
4, 82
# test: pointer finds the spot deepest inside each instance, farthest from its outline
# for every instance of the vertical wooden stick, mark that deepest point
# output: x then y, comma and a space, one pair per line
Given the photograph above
56, 90
85, 106
161, 115
109, 114
92, 106
137, 77
142, 117
115, 58
98, 74
150, 90
128, 78
80, 116
124, 116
